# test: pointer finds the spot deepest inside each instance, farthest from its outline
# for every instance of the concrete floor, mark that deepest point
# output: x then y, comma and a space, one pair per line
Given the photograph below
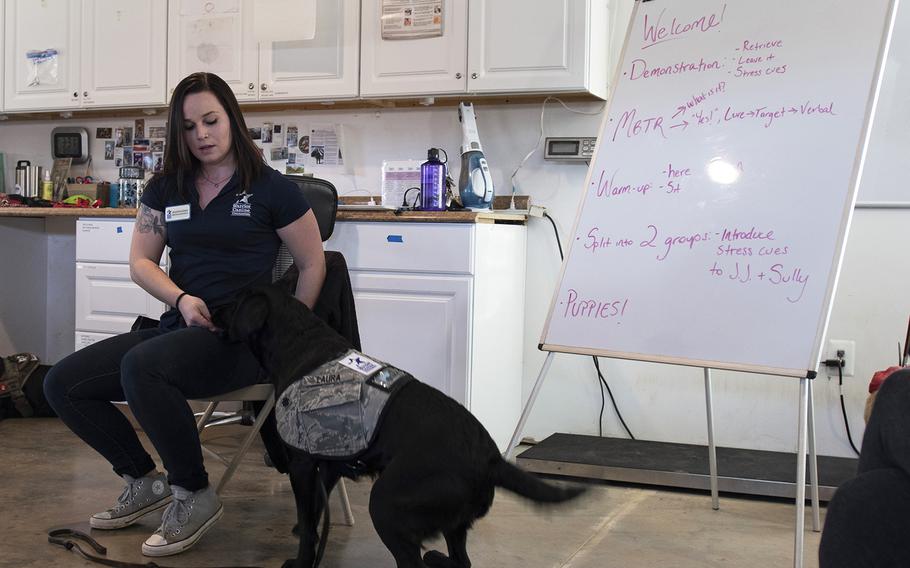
50, 478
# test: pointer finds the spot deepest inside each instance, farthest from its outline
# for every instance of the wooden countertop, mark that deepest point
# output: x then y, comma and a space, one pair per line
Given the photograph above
66, 212
493, 216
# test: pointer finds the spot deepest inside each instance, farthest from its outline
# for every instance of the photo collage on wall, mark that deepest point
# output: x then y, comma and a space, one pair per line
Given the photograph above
136, 145
298, 150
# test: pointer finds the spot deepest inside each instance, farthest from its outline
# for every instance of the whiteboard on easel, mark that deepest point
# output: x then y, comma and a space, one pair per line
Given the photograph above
716, 207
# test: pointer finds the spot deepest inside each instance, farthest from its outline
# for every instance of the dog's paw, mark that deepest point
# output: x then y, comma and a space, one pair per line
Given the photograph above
436, 559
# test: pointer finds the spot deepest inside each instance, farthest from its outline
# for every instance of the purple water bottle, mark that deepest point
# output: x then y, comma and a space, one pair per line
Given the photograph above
433, 182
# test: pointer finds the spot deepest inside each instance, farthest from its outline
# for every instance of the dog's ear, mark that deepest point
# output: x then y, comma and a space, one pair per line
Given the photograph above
250, 314
223, 315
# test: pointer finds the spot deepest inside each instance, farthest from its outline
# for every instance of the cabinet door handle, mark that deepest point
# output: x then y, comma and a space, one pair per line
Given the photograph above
458, 75
251, 86
84, 93
473, 75
75, 94
264, 86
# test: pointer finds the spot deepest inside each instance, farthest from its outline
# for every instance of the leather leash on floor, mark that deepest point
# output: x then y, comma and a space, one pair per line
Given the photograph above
63, 537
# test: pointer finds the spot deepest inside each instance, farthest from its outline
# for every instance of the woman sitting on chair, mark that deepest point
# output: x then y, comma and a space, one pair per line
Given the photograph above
224, 214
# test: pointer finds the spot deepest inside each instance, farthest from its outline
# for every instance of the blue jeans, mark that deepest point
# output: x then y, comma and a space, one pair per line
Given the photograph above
155, 371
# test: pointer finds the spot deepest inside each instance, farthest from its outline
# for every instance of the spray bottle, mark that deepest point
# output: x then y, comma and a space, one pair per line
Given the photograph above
47, 187
475, 184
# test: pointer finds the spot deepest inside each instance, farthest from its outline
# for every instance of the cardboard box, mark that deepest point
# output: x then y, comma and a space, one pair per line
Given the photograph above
94, 191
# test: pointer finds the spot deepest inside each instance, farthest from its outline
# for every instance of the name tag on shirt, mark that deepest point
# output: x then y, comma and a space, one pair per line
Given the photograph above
177, 213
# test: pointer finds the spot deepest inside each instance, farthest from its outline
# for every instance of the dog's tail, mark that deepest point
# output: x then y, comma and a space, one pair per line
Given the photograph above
517, 480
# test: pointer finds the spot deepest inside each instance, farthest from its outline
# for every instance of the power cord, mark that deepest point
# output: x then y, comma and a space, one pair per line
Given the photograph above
556, 231
404, 200
543, 107
538, 211
839, 363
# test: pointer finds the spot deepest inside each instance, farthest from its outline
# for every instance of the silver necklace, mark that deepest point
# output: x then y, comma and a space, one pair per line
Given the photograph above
215, 183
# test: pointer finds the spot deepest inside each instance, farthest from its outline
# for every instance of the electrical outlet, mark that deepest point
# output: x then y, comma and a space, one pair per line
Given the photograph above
849, 349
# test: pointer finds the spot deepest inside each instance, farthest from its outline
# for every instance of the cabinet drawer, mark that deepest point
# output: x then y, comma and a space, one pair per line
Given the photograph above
104, 240
108, 301
411, 247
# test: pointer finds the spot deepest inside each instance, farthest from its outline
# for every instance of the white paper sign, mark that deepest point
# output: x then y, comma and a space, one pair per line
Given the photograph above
411, 19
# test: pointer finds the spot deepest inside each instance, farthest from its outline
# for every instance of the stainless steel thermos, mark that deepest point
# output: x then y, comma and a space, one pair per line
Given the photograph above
28, 178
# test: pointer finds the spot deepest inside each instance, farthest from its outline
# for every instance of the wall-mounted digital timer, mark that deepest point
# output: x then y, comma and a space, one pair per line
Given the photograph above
70, 142
581, 149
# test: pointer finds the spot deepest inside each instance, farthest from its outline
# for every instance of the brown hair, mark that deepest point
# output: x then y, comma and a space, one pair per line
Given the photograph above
179, 162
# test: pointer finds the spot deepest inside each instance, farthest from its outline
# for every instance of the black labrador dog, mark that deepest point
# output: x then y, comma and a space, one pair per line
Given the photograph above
436, 465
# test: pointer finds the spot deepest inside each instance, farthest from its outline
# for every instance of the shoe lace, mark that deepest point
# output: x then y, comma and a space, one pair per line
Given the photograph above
129, 492
175, 516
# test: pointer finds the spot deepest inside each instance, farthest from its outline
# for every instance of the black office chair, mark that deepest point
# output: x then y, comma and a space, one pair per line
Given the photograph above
336, 298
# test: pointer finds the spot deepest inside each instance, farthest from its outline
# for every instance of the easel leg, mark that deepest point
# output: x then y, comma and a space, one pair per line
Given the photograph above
801, 472
813, 461
712, 450
528, 405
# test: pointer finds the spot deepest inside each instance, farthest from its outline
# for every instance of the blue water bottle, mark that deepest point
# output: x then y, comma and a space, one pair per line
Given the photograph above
433, 182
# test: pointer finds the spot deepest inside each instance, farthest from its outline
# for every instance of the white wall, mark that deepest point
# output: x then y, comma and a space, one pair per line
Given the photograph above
658, 402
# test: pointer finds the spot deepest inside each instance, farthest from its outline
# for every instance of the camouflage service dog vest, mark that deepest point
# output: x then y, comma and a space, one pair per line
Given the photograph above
334, 411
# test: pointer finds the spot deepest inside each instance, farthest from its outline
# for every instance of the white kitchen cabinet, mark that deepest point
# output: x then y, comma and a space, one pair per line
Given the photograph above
492, 46
31, 26
107, 300
110, 53
219, 37
431, 315
538, 45
124, 56
320, 68
445, 302
423, 66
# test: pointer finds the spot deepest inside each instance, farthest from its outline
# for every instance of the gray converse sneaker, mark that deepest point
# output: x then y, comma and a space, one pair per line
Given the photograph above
184, 521
140, 497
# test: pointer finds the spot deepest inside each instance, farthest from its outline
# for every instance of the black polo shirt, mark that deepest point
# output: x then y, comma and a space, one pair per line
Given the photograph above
231, 244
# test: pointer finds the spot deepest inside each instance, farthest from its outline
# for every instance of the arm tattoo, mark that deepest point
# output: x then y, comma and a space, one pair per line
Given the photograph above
149, 220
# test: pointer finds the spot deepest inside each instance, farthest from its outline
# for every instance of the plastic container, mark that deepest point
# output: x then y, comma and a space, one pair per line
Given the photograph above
433, 182
113, 199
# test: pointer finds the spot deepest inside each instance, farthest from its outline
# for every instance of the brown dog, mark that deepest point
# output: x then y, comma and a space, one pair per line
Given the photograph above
437, 466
